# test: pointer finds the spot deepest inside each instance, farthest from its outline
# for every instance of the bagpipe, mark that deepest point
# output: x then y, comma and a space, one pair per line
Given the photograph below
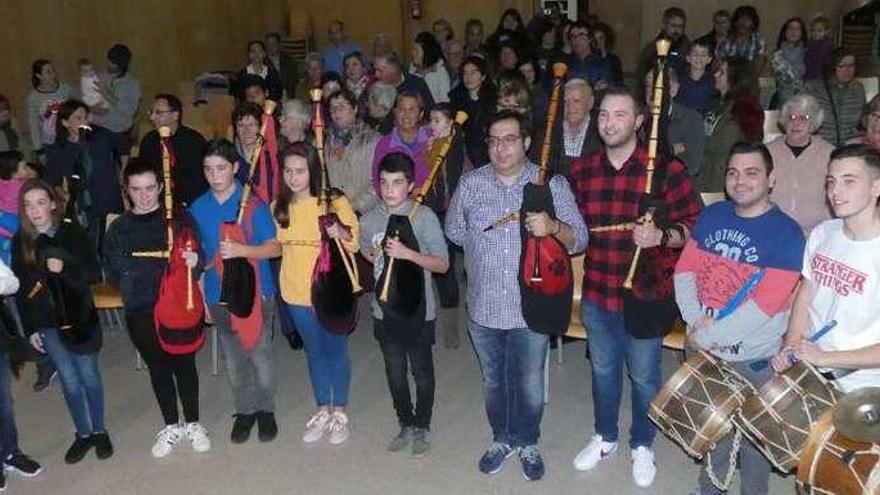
648, 281
651, 207
71, 303
335, 278
401, 285
545, 275
179, 312
240, 289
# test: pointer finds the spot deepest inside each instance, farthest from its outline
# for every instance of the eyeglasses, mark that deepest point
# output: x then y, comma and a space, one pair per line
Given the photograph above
799, 118
159, 112
507, 141
874, 115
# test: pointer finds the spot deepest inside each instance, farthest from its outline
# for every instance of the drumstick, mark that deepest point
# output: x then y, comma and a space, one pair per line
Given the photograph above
741, 295
792, 359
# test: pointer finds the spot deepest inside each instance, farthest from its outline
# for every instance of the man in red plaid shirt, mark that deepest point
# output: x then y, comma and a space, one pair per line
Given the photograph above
609, 186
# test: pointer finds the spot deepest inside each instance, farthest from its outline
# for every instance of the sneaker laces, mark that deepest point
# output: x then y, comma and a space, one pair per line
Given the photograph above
338, 422
169, 434
319, 417
498, 448
196, 430
530, 454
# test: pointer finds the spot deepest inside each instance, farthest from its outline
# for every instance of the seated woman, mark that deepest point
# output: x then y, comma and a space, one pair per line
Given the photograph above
427, 63
11, 137
800, 162
788, 62
735, 115
380, 101
841, 96
258, 64
349, 151
86, 160
871, 124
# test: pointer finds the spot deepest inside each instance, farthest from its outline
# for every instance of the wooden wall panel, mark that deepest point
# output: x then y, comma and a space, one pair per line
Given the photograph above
171, 40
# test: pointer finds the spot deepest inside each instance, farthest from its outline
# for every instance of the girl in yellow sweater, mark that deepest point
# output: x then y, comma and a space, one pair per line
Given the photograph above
296, 215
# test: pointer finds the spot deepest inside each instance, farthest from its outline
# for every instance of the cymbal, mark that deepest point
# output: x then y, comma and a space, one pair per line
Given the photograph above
857, 415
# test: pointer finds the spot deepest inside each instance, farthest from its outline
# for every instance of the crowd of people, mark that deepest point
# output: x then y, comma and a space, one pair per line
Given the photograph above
803, 208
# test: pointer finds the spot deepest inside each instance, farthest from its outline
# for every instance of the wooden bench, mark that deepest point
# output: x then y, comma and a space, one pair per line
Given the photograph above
577, 330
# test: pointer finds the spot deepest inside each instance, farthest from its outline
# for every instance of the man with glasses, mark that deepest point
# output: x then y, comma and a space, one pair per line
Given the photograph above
511, 355
674, 22
187, 149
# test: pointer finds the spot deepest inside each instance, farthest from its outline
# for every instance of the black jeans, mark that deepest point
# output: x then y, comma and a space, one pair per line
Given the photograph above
418, 355
171, 375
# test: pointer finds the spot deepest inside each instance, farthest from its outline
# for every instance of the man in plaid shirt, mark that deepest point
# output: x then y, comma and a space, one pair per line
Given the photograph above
608, 187
511, 355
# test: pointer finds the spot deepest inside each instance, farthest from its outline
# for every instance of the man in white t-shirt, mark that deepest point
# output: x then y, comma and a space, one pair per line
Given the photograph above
841, 278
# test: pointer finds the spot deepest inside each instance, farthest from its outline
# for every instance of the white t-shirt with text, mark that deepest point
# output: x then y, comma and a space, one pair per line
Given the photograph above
846, 275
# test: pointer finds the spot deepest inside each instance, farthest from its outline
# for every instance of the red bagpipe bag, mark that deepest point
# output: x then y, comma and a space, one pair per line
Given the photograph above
179, 325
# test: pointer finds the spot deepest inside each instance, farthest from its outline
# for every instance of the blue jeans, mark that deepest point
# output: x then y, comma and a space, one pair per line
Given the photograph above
8, 433
610, 347
512, 363
80, 383
327, 354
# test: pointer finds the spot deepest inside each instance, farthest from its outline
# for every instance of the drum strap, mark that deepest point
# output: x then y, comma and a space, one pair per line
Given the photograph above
731, 463
873, 483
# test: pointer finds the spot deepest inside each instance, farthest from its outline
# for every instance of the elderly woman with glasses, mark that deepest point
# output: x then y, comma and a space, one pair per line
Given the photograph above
800, 158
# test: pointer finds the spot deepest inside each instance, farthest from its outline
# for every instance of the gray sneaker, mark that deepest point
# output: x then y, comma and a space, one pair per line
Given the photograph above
402, 439
420, 443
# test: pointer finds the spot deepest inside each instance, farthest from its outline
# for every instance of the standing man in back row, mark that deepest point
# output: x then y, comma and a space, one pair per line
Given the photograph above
187, 149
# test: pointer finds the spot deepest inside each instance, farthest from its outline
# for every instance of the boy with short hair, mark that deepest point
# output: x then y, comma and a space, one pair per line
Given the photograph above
840, 283
697, 84
405, 339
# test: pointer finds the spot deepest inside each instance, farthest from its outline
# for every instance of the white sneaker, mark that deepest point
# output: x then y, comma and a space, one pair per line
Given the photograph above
198, 435
316, 425
338, 428
165, 440
644, 469
594, 452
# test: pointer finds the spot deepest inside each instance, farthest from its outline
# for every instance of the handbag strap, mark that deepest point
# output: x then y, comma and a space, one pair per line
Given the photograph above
833, 111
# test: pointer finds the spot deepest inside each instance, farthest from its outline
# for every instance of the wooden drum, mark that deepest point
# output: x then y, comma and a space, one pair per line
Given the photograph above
834, 464
696, 405
779, 417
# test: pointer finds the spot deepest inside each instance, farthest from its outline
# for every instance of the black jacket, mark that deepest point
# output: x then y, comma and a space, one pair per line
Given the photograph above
479, 112
188, 175
81, 268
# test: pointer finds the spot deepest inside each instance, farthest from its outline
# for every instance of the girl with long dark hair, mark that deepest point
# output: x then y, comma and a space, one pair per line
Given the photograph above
296, 213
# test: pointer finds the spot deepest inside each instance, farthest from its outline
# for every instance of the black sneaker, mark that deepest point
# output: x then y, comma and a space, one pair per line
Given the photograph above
241, 427
22, 465
44, 379
2, 481
266, 426
78, 449
103, 447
